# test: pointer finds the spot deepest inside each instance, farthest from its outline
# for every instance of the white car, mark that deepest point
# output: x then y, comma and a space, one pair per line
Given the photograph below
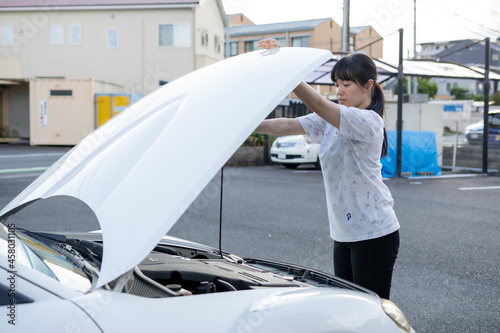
129, 277
474, 133
293, 150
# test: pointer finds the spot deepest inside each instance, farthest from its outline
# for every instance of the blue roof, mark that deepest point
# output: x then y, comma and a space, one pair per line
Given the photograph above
450, 50
256, 29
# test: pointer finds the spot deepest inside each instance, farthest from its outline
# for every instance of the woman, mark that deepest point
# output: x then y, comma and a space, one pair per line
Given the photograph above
363, 224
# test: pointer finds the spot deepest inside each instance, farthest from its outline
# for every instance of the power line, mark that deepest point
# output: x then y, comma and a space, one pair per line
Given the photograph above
447, 11
450, 20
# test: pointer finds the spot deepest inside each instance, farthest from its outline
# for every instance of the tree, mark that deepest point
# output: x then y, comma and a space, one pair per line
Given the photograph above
459, 93
496, 98
426, 87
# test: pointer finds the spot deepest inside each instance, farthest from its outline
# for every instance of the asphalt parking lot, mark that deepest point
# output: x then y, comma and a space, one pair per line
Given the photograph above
447, 277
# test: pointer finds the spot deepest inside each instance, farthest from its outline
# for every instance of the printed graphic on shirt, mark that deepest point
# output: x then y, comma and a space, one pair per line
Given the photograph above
359, 203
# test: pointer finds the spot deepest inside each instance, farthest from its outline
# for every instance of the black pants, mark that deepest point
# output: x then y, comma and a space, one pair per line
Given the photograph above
369, 263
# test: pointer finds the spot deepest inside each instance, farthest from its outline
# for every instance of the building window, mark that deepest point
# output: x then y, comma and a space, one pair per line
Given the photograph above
281, 41
176, 35
75, 34
216, 43
57, 35
112, 38
233, 49
251, 45
61, 93
300, 41
166, 34
7, 35
204, 37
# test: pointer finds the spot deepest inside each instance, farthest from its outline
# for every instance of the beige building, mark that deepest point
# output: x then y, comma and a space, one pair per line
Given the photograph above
322, 33
137, 45
238, 19
366, 40
318, 33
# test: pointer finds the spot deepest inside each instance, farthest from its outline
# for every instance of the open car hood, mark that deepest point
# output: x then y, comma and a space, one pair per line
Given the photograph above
141, 170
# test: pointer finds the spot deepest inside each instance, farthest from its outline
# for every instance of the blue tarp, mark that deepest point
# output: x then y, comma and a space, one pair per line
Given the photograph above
418, 153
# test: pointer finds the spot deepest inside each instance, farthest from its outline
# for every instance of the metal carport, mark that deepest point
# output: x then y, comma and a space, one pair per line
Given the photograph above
422, 68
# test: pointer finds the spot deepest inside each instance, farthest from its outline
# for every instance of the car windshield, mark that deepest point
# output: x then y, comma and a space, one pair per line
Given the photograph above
495, 119
57, 260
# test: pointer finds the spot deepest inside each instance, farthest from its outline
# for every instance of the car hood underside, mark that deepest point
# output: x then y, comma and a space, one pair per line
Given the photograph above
141, 170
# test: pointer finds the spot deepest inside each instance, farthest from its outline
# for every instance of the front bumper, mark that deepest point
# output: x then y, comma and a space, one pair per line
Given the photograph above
298, 156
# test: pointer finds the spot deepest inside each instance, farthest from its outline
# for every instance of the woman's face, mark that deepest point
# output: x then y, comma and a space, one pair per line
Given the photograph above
352, 94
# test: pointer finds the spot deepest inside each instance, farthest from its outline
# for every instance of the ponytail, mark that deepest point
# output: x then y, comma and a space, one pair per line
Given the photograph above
378, 100
378, 105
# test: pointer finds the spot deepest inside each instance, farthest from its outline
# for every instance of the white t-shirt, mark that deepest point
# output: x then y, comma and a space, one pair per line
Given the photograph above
359, 203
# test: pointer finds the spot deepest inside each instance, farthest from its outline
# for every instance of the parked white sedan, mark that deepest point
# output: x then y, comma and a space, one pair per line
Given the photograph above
293, 150
138, 181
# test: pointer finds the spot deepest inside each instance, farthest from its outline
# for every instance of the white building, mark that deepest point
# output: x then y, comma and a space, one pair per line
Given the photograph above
135, 44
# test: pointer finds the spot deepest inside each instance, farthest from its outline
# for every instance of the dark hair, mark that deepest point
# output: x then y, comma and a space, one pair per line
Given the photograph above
360, 68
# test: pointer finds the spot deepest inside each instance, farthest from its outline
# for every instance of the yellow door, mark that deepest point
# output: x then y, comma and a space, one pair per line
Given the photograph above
120, 103
103, 109
109, 106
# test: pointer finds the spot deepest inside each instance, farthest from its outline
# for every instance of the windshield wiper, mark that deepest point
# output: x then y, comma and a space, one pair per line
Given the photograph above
76, 253
70, 253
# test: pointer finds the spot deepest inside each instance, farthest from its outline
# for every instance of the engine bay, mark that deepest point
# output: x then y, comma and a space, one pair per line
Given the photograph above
179, 269
201, 276
191, 272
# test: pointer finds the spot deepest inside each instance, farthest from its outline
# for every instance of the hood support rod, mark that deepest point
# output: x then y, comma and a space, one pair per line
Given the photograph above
220, 211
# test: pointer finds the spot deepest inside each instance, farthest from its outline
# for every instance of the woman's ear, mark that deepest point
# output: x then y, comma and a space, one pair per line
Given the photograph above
369, 85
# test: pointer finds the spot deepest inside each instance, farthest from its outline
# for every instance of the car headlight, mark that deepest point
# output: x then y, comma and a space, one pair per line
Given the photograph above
395, 314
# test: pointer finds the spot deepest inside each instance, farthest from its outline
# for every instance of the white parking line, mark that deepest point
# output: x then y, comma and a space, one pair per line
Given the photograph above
37, 169
479, 188
20, 175
31, 155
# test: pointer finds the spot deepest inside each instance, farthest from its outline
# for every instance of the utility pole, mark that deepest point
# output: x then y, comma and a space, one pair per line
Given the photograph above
414, 29
415, 81
486, 108
345, 28
399, 120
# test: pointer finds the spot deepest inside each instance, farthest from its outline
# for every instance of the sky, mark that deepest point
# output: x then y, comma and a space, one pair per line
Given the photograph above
437, 20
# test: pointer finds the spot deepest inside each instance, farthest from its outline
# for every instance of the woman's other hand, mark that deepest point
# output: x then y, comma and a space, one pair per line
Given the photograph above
268, 43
